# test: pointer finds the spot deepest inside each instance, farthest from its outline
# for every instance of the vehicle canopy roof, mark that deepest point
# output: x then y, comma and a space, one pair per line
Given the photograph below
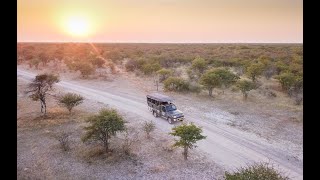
160, 97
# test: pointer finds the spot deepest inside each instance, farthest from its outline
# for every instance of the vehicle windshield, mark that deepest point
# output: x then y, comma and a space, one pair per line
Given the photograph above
171, 107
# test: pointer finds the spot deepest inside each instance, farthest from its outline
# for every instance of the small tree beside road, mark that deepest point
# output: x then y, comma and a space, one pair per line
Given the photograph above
103, 126
189, 134
39, 88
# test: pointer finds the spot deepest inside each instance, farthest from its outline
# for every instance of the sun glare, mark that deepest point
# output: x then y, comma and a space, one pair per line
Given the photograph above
78, 26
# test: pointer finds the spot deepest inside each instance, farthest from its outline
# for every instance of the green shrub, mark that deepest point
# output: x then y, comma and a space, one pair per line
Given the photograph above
255, 70
245, 86
150, 68
257, 171
227, 77
70, 100
85, 69
210, 80
287, 80
164, 73
215, 63
176, 84
281, 67
189, 134
103, 126
199, 65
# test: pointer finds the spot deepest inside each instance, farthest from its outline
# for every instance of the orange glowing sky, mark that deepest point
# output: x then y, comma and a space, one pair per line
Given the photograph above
186, 21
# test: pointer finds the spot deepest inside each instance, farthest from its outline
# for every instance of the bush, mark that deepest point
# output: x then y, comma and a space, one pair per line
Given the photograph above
35, 62
164, 74
281, 67
245, 86
70, 100
63, 138
227, 77
215, 63
257, 171
210, 80
150, 68
103, 126
269, 72
85, 69
97, 61
112, 67
194, 87
129, 139
176, 84
289, 81
148, 127
199, 65
191, 74
131, 65
255, 70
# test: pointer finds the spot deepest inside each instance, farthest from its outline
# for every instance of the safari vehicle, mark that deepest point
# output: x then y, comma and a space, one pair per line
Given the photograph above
162, 106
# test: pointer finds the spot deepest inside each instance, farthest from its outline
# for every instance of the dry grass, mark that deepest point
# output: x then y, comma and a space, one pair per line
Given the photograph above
156, 156
40, 154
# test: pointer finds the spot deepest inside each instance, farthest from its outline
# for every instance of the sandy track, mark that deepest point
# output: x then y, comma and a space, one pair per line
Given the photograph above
227, 146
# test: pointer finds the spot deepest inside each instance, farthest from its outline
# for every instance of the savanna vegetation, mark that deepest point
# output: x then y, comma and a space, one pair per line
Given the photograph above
261, 171
208, 66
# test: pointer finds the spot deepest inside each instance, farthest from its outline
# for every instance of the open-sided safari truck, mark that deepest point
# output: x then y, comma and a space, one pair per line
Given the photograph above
162, 106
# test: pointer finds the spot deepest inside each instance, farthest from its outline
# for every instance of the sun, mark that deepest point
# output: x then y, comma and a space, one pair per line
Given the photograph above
77, 26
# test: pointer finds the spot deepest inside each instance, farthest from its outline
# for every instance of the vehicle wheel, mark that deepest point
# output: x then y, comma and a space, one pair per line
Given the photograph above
169, 120
155, 114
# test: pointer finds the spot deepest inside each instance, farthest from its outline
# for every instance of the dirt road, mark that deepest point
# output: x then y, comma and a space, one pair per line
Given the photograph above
227, 146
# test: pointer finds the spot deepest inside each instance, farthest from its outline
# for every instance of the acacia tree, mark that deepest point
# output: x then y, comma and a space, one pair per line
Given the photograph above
227, 77
39, 88
70, 100
245, 86
255, 70
189, 134
210, 80
103, 126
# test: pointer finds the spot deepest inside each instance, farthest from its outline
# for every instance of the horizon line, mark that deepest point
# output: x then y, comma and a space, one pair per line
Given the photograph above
131, 42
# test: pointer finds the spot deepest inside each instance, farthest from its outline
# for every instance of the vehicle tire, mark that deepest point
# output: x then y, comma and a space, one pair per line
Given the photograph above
169, 120
154, 114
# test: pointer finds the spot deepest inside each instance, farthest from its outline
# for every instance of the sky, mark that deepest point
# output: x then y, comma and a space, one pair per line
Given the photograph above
160, 21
